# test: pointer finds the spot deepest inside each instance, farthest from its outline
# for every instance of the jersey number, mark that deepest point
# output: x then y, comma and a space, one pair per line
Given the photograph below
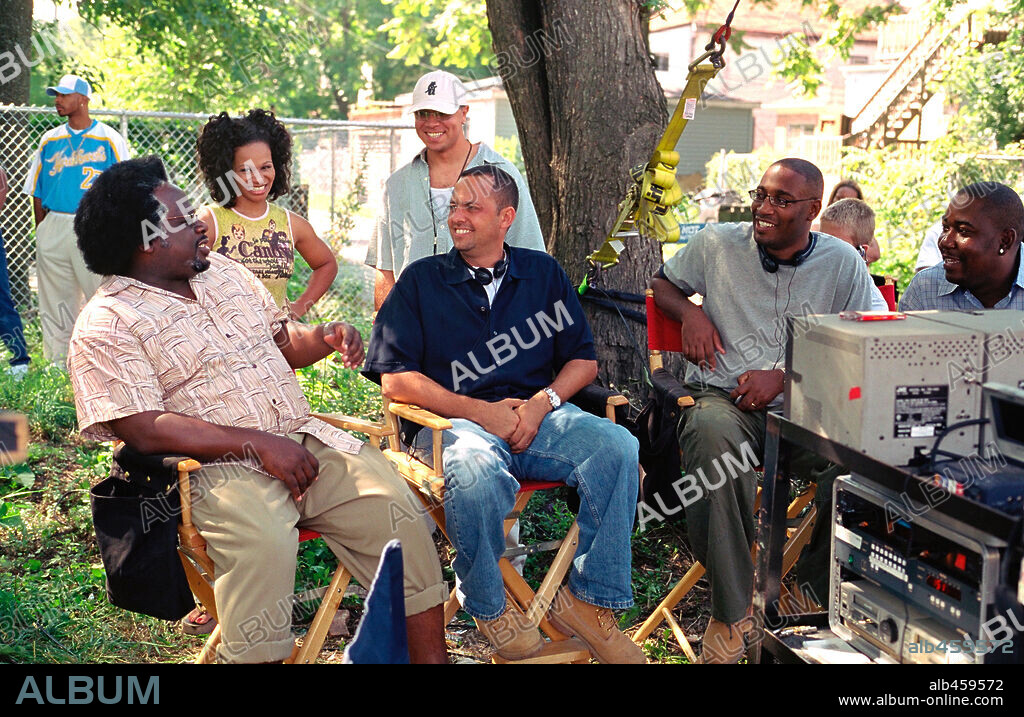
90, 176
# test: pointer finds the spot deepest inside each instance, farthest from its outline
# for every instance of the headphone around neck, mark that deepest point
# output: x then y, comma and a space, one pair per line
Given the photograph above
486, 276
770, 264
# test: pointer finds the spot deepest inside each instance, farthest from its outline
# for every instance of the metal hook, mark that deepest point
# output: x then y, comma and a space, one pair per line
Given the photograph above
715, 55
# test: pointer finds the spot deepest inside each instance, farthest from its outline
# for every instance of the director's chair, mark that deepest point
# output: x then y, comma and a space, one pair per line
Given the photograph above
199, 569
664, 334
428, 484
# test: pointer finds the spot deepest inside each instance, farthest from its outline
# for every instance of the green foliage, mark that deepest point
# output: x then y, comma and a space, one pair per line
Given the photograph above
987, 82
909, 191
211, 55
445, 33
43, 394
804, 63
509, 148
53, 606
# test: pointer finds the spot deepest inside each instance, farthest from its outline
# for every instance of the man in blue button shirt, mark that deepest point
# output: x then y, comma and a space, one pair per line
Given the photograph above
493, 337
981, 254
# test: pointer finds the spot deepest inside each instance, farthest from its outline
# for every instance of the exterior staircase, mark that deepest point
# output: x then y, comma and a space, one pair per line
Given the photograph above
911, 82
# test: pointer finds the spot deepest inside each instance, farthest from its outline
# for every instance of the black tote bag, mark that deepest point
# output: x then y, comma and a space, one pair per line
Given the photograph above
136, 530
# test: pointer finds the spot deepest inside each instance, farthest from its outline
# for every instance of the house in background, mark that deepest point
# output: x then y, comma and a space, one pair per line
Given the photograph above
779, 116
885, 92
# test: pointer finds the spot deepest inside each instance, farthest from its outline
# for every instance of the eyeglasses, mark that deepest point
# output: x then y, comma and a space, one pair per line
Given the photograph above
759, 195
177, 222
427, 115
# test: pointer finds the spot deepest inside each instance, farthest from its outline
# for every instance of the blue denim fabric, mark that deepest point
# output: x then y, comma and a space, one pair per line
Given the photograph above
590, 454
11, 331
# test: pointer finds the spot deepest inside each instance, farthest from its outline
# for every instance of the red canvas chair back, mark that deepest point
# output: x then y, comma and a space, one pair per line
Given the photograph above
663, 334
889, 294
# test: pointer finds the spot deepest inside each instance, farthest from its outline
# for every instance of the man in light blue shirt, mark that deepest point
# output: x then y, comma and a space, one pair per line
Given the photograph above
413, 221
981, 254
69, 159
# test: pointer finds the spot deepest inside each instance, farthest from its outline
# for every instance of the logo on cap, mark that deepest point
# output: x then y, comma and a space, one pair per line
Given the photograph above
432, 89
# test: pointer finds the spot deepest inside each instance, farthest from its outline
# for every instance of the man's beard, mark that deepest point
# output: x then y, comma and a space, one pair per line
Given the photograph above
200, 265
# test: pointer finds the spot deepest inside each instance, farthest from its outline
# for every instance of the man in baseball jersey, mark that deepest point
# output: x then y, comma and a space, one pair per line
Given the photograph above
69, 159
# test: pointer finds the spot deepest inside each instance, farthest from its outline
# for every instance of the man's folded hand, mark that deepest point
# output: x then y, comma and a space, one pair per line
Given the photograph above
531, 414
500, 418
345, 339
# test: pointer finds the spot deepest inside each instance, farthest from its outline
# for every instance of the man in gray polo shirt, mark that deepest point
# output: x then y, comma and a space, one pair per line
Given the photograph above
752, 276
413, 222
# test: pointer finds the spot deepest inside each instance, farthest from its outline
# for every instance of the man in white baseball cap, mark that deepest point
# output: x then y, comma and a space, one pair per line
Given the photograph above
69, 159
413, 222
70, 84
438, 90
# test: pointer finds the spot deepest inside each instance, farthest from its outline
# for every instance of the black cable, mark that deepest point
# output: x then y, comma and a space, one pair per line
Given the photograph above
618, 310
956, 426
624, 296
636, 316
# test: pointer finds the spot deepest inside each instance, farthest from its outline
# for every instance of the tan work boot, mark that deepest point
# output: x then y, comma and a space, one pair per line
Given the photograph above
512, 635
723, 643
596, 626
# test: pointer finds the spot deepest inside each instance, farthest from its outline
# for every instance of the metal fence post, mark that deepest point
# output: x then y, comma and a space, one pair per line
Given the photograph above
334, 146
392, 151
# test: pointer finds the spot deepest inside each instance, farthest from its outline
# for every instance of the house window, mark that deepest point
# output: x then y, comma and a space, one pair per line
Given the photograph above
795, 131
660, 61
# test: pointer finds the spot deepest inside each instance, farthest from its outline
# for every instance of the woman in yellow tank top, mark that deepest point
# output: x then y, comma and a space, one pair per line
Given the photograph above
245, 162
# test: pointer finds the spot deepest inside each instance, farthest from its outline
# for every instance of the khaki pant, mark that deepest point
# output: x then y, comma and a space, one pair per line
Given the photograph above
65, 284
250, 523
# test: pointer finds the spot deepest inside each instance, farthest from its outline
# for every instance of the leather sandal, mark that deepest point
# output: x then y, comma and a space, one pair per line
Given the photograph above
198, 622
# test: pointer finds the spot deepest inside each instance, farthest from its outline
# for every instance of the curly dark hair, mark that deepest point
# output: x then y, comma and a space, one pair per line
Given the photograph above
109, 220
222, 135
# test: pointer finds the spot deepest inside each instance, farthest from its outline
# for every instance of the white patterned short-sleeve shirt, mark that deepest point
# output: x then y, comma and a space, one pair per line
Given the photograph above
140, 348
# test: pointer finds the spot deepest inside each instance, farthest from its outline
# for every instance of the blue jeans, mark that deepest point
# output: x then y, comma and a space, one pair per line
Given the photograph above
590, 454
11, 331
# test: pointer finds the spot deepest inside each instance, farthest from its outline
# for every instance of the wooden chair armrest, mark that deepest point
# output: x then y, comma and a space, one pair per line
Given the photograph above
420, 416
350, 423
599, 400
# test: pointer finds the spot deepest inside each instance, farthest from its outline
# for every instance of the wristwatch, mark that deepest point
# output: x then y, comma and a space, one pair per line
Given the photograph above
553, 397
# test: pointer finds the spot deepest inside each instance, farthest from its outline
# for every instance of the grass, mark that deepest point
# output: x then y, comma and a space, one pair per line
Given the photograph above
53, 605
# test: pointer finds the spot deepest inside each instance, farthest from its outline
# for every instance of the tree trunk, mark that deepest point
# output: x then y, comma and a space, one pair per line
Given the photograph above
588, 107
15, 218
15, 31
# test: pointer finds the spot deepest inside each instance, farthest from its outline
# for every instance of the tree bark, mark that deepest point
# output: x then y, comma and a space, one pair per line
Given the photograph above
15, 218
15, 31
588, 108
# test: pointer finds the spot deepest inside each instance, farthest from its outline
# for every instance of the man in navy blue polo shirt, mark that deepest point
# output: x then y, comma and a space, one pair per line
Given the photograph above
493, 337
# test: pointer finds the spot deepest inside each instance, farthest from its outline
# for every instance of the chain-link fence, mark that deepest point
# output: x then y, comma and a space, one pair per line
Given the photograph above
338, 174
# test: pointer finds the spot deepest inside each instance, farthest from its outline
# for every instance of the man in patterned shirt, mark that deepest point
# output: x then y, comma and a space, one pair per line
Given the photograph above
172, 358
980, 244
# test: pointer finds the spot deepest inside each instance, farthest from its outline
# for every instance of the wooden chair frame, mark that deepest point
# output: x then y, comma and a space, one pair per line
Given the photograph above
200, 573
428, 484
798, 538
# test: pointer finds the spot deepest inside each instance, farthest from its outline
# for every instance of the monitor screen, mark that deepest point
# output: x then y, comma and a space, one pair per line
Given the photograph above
1006, 412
